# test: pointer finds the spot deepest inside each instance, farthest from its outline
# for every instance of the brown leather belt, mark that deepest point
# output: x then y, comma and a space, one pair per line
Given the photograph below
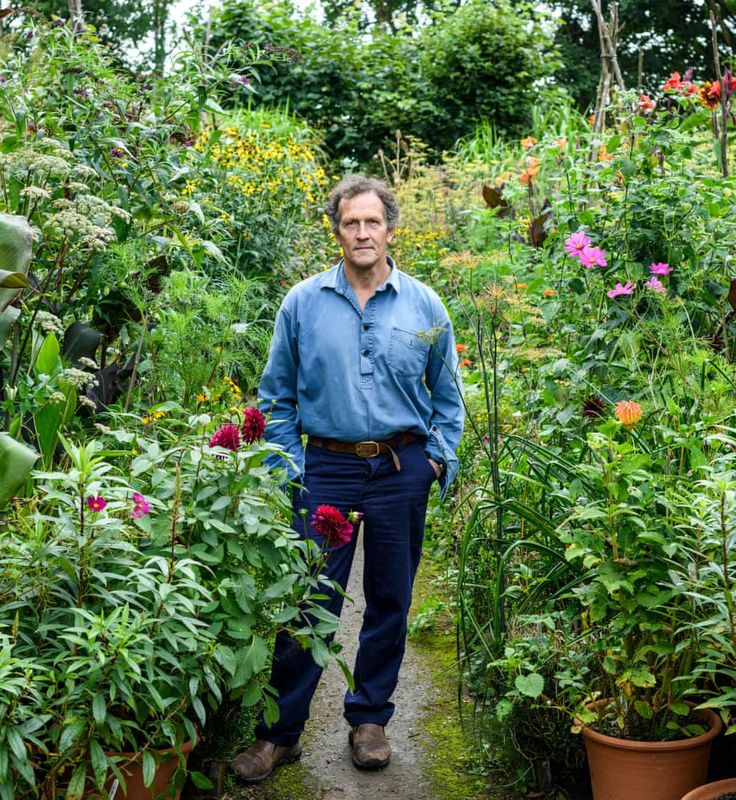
369, 448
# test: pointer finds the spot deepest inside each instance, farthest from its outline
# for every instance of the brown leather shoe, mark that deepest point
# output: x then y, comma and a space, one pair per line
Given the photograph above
371, 749
257, 762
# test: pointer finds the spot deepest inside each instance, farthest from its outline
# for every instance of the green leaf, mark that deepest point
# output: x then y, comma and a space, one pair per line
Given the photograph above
531, 685
8, 318
149, 767
15, 740
16, 463
75, 789
98, 760
16, 242
201, 781
99, 708
47, 360
13, 280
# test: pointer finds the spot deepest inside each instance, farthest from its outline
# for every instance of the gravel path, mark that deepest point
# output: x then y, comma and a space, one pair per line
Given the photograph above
326, 766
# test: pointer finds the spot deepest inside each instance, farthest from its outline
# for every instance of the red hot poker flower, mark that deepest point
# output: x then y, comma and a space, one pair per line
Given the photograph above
330, 523
227, 436
254, 425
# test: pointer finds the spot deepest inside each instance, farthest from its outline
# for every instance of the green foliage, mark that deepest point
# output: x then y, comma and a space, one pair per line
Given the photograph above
473, 62
132, 605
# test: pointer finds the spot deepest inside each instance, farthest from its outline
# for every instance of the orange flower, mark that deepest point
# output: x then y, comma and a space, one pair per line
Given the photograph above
520, 286
628, 413
528, 142
561, 143
531, 171
466, 362
548, 292
673, 82
603, 154
461, 348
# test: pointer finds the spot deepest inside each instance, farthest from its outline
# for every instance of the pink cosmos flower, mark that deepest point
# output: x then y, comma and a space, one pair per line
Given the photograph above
593, 257
254, 425
655, 284
330, 522
627, 288
227, 436
96, 504
141, 506
660, 269
575, 244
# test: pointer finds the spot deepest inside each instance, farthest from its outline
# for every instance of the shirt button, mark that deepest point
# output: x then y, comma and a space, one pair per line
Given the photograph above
365, 327
366, 352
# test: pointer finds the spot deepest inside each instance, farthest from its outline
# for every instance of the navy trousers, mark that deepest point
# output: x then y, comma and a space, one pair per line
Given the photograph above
394, 505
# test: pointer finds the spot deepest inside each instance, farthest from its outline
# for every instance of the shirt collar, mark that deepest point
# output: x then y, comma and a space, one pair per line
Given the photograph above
334, 278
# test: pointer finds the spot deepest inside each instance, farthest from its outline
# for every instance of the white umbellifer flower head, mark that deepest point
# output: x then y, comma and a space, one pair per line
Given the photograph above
77, 186
88, 362
83, 171
58, 397
49, 323
35, 193
77, 377
102, 428
85, 401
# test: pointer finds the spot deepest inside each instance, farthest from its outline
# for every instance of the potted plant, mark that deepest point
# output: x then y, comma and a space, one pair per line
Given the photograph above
719, 790
132, 606
627, 645
105, 640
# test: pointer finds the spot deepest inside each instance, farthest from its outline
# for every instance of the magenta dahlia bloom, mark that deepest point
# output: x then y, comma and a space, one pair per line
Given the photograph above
575, 244
254, 425
618, 289
593, 257
656, 285
141, 506
227, 436
96, 504
329, 521
660, 269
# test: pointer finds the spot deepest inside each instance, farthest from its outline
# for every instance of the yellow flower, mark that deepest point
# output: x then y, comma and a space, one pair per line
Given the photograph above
628, 413
152, 417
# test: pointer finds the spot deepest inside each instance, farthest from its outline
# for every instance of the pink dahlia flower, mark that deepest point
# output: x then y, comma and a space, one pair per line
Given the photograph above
141, 506
96, 504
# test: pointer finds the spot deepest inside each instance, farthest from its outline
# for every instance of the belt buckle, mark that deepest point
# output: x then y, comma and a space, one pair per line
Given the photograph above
362, 451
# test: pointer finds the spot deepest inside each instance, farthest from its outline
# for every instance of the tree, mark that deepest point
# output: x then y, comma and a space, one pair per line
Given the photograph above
121, 24
655, 40
480, 60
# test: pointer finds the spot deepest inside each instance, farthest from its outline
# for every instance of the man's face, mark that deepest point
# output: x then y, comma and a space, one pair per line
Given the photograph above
363, 232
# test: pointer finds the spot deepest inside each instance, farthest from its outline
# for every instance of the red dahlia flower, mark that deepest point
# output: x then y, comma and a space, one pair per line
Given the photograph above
329, 521
254, 425
227, 436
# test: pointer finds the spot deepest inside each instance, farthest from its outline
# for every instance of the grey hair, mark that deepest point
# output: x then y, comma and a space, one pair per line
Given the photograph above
354, 185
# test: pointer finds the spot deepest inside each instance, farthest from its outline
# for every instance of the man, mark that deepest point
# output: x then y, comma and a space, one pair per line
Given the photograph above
363, 362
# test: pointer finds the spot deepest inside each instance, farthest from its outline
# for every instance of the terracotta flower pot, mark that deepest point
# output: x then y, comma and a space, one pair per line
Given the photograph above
132, 768
621, 769
712, 791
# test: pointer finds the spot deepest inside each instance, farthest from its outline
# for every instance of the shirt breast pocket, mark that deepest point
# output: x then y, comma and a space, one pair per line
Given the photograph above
407, 353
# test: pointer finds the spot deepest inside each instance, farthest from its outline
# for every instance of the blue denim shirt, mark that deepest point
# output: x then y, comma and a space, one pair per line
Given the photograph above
338, 372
